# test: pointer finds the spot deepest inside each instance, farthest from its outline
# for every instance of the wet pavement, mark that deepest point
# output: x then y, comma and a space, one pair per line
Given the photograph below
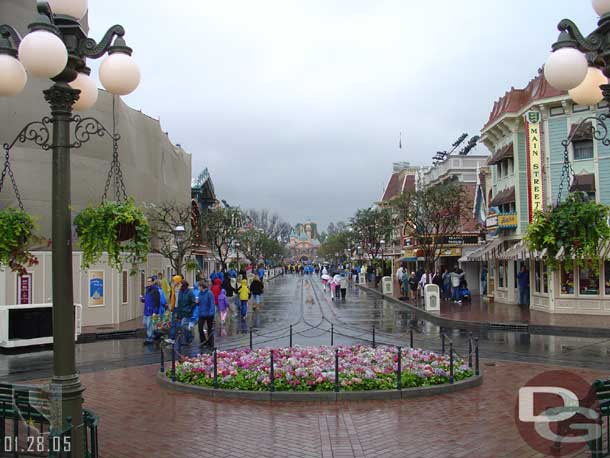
303, 303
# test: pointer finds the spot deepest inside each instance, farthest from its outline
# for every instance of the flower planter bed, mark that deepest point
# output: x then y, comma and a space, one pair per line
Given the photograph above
308, 374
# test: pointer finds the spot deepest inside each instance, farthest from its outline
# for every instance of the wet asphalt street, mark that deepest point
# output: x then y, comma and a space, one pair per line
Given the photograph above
303, 303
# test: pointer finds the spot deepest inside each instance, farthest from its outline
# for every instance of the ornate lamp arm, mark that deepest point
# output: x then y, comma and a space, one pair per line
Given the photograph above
89, 47
590, 44
9, 33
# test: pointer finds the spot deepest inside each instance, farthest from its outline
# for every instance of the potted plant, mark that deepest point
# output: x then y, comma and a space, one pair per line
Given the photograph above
578, 225
17, 229
113, 227
191, 265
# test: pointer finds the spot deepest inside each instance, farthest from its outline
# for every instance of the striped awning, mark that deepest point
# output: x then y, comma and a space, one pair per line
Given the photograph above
519, 250
485, 252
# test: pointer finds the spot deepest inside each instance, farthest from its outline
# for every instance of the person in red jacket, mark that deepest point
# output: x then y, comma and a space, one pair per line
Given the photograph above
216, 289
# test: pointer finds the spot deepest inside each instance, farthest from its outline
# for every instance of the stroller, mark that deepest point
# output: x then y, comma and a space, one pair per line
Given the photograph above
464, 294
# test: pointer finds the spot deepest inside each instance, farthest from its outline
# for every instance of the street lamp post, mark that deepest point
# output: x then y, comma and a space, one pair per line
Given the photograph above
382, 243
237, 245
180, 237
57, 47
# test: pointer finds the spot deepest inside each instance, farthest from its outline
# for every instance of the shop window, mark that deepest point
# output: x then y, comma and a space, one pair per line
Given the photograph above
567, 278
607, 276
501, 274
583, 149
538, 276
557, 111
578, 108
588, 282
545, 278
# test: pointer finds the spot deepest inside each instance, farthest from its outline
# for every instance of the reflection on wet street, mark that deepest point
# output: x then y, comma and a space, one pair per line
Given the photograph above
316, 320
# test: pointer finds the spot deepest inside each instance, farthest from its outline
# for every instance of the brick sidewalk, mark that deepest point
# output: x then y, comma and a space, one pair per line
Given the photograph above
141, 420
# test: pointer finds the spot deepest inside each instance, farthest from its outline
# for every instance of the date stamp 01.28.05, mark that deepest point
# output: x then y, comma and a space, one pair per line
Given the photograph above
35, 444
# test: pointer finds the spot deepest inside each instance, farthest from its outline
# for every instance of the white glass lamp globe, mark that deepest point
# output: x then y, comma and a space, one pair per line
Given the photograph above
601, 7
43, 54
74, 8
12, 75
566, 68
88, 92
588, 92
119, 74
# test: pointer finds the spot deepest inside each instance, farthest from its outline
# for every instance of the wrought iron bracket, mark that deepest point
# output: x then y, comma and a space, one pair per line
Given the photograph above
36, 131
85, 128
590, 44
9, 34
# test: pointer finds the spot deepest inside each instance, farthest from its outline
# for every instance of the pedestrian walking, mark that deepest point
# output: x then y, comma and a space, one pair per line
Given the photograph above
223, 306
185, 303
399, 275
343, 284
152, 303
484, 280
256, 290
164, 284
524, 286
207, 312
244, 295
413, 286
455, 285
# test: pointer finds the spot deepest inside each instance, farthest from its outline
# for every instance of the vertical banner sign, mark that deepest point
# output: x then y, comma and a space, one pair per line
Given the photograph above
96, 287
24, 289
534, 162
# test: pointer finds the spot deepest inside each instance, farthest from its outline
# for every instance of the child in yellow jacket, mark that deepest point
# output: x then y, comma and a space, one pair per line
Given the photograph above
244, 295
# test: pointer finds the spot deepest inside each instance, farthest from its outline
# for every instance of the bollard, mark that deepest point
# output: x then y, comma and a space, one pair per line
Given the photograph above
443, 344
336, 370
162, 367
399, 370
250, 337
174, 362
215, 368
271, 375
476, 356
470, 351
450, 361
332, 334
374, 345
411, 338
290, 336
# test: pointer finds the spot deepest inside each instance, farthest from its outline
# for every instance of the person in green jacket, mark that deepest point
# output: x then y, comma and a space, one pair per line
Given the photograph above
184, 310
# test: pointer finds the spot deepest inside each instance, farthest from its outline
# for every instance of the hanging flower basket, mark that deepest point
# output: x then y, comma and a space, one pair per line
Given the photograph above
126, 231
577, 224
17, 229
116, 228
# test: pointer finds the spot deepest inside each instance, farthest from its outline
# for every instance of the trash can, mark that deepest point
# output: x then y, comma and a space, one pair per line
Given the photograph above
387, 286
362, 279
432, 298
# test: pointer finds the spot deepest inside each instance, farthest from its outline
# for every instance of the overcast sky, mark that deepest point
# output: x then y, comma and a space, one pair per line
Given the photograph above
296, 106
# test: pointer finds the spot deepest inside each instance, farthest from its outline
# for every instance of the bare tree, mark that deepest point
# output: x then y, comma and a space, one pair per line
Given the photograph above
163, 221
220, 227
271, 224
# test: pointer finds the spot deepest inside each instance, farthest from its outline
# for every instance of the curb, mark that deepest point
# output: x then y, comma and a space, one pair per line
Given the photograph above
543, 329
326, 396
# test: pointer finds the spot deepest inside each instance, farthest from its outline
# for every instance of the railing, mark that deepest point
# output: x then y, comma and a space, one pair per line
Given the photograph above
25, 412
472, 357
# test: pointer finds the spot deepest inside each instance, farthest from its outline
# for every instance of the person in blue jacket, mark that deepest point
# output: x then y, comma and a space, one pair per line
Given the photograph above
151, 306
207, 312
261, 273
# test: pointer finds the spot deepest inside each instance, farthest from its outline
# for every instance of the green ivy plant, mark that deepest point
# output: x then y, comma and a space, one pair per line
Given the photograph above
191, 265
98, 231
17, 229
578, 224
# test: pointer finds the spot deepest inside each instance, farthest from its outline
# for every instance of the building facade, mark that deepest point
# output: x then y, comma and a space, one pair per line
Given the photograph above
524, 134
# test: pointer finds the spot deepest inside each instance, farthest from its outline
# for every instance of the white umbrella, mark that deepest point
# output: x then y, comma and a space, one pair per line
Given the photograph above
325, 277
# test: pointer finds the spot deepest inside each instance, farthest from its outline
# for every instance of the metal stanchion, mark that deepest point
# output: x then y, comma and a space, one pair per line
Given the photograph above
443, 344
411, 338
250, 337
174, 362
332, 334
476, 356
162, 366
271, 374
215, 368
374, 344
290, 336
399, 369
470, 351
450, 361
336, 370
